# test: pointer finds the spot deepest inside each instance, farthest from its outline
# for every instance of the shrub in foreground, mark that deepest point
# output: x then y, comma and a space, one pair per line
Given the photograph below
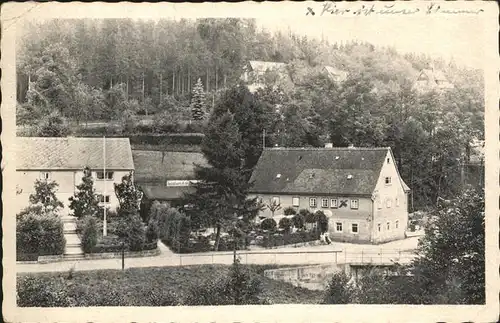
40, 234
322, 222
89, 234
289, 211
33, 291
268, 224
285, 224
339, 291
287, 239
131, 230
298, 221
238, 287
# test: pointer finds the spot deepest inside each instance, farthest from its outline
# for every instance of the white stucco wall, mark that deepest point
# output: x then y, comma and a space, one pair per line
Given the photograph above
391, 204
67, 180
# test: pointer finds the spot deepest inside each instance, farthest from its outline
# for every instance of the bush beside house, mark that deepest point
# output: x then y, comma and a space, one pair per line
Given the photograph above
38, 234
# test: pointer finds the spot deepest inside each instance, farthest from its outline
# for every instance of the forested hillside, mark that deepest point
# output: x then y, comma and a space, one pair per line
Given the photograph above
82, 68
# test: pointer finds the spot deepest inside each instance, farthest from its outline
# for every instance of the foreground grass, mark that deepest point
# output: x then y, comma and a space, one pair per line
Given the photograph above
148, 286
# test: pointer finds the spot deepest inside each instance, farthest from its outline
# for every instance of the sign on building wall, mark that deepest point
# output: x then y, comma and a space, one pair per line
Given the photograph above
179, 183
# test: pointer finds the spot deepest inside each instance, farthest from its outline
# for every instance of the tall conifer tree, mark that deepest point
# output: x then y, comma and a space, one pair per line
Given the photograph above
198, 101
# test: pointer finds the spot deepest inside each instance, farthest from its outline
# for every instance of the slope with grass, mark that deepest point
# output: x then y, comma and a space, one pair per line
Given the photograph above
153, 286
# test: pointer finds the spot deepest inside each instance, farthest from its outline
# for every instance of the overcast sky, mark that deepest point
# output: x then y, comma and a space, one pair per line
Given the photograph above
460, 38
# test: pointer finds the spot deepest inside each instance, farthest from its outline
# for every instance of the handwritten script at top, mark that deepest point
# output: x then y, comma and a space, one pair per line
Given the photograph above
331, 8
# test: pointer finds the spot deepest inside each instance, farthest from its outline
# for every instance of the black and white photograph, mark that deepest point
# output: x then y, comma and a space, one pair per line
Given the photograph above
289, 160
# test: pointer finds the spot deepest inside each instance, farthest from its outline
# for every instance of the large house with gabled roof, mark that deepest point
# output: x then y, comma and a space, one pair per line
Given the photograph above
63, 160
359, 189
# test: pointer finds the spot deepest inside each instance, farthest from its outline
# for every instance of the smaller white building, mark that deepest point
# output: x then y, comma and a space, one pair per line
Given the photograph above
336, 75
63, 160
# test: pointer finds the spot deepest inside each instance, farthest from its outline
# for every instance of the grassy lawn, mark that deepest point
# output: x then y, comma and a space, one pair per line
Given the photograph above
137, 286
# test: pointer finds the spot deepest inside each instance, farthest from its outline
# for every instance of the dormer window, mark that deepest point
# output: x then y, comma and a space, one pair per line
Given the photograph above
278, 175
337, 157
349, 176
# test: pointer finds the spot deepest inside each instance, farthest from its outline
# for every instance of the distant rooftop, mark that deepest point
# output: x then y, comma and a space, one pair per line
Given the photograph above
44, 153
337, 170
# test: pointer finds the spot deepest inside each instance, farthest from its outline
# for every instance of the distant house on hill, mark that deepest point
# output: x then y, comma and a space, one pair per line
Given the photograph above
335, 75
166, 176
63, 160
431, 79
359, 189
256, 74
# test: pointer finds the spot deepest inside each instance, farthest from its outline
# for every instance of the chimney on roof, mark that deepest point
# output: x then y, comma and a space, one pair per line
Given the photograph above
329, 145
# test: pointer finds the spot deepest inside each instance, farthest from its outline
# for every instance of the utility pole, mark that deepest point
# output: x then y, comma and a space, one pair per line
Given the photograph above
263, 139
104, 224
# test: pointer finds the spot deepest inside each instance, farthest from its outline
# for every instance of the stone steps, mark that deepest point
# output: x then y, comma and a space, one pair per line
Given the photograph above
73, 247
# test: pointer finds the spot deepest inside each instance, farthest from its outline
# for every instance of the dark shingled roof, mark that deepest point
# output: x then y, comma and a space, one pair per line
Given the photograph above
165, 193
155, 166
318, 170
42, 153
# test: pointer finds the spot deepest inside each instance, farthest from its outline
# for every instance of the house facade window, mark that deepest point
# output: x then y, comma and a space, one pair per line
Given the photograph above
104, 198
388, 160
397, 201
388, 203
334, 203
338, 226
295, 201
45, 176
104, 176
312, 202
324, 202
388, 226
354, 204
396, 224
388, 180
379, 227
354, 228
276, 200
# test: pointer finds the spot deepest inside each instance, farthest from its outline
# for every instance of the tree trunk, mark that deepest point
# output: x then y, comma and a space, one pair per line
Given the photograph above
161, 85
189, 80
173, 82
183, 84
127, 91
225, 80
207, 85
217, 238
143, 89
216, 78
111, 84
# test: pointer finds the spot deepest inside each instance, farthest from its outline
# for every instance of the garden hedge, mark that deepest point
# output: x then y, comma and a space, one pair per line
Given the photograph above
39, 234
271, 241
